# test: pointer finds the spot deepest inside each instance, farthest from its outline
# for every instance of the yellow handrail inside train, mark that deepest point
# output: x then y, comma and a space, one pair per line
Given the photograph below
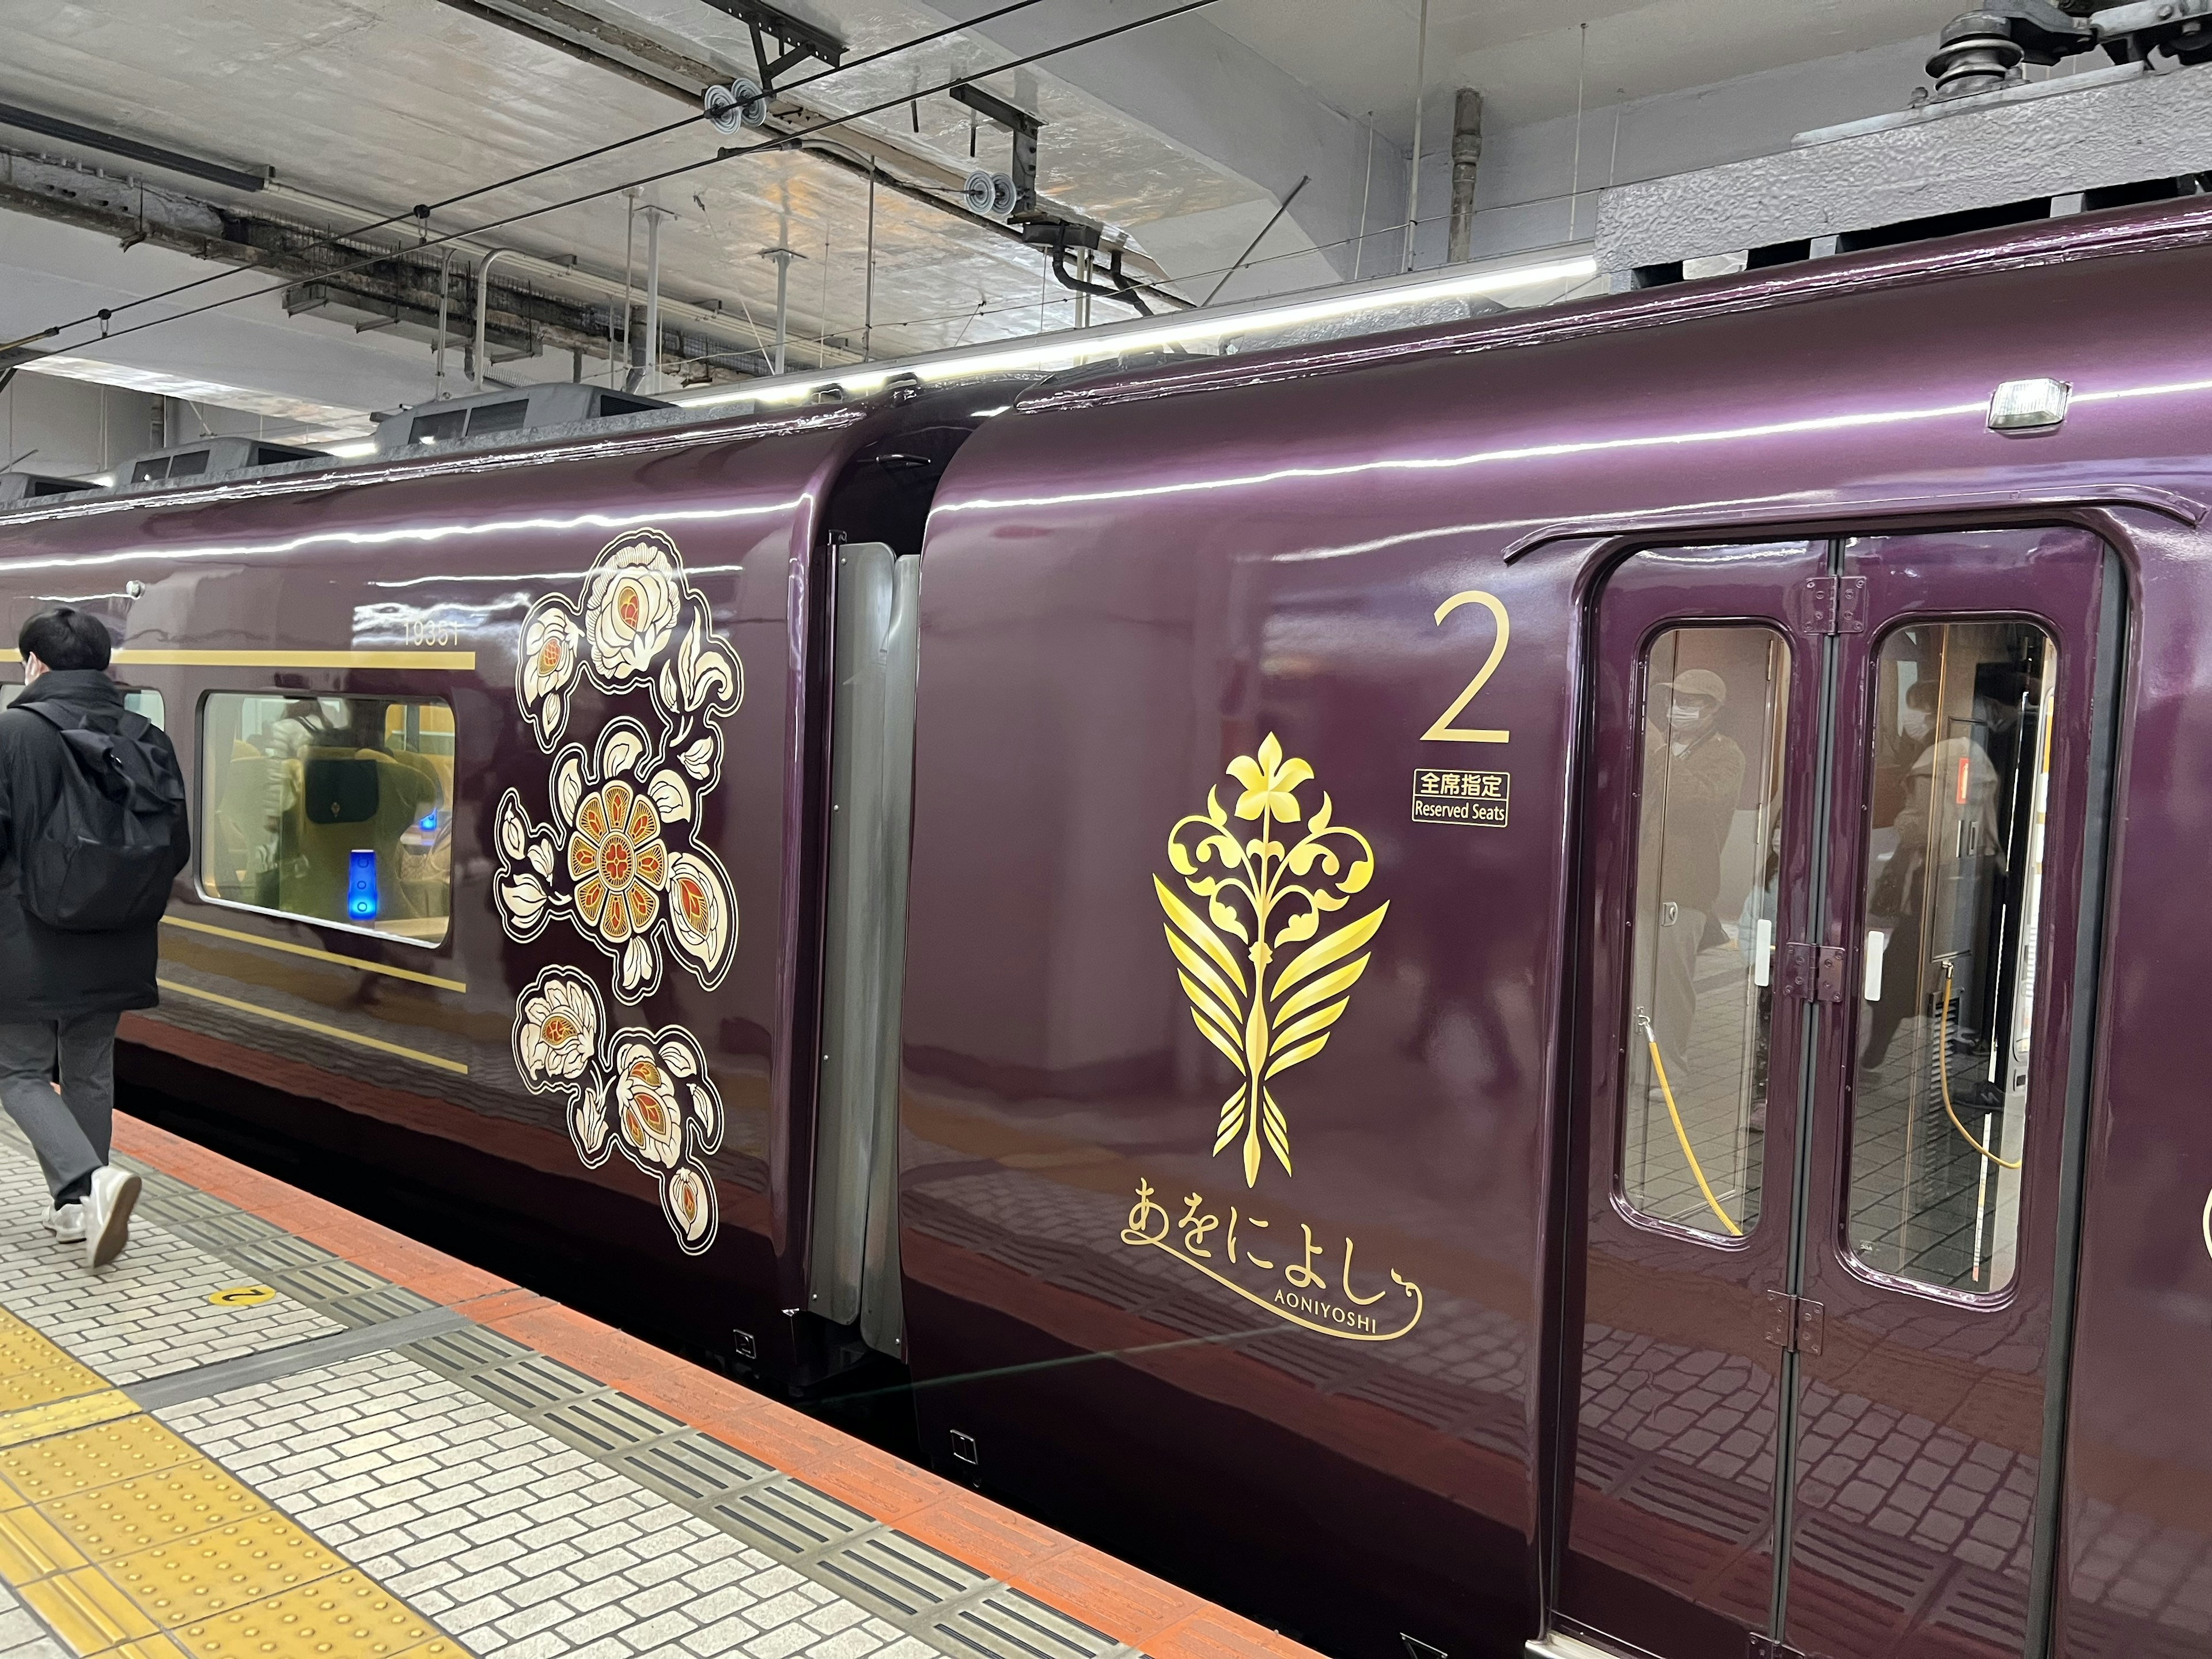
1682, 1135
1943, 1076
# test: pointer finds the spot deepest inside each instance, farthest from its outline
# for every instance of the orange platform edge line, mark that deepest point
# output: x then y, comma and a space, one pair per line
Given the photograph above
1085, 1584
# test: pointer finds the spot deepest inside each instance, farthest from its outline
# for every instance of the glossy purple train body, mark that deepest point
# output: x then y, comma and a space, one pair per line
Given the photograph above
1261, 1212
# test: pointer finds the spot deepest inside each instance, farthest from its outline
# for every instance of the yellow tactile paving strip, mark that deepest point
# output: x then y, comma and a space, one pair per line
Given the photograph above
132, 1544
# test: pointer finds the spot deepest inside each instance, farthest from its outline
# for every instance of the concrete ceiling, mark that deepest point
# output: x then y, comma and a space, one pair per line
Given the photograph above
1531, 58
1186, 136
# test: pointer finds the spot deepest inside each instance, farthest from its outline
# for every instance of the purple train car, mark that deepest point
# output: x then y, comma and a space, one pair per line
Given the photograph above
1538, 994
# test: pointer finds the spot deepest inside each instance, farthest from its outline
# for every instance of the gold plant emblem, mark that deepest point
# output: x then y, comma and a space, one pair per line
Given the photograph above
1271, 893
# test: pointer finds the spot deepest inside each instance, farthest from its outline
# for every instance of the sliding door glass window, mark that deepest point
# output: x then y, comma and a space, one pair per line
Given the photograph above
1960, 781
1701, 941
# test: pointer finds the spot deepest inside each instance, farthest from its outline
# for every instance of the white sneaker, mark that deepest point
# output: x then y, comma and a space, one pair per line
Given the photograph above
108, 1209
66, 1223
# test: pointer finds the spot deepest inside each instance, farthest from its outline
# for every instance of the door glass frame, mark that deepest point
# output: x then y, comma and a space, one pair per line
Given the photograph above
2087, 643
1782, 664
2064, 679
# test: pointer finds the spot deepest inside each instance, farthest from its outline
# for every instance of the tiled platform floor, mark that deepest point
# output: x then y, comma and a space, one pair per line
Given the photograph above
273, 1430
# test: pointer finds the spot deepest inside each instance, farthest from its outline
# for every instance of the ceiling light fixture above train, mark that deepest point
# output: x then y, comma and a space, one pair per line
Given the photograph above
1204, 326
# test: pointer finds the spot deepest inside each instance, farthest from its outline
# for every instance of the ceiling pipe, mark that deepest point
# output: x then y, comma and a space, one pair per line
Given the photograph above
483, 292
1466, 158
438, 358
1413, 166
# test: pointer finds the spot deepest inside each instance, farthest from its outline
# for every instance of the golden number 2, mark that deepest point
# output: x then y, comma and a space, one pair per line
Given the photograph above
1444, 731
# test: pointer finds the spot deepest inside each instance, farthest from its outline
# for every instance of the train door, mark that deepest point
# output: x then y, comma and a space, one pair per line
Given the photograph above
1843, 798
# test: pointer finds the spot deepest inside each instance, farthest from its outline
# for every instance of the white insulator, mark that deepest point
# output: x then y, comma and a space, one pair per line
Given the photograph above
980, 193
1002, 194
740, 103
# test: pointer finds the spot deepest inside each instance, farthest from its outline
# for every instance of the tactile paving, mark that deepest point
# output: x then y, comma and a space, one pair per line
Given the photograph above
222, 1570
459, 1352
228, 1228
156, 1509
326, 1281
349, 1616
604, 1423
46, 1384
31, 1547
48, 1469
469, 1480
80, 1411
86, 1610
531, 1384
692, 1469
1008, 1625
897, 1576
788, 1519
277, 1253
377, 1307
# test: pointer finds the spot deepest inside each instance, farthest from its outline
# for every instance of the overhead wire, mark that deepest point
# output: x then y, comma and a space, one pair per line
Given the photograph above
787, 141
419, 214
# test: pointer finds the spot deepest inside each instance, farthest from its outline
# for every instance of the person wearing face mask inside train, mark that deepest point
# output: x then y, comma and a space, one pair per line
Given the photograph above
1904, 764
1693, 772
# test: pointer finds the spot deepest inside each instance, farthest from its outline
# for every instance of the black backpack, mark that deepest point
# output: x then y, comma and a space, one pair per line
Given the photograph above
106, 856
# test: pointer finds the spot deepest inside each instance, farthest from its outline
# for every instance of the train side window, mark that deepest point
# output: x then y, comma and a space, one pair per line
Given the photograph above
1703, 933
1961, 781
337, 809
143, 701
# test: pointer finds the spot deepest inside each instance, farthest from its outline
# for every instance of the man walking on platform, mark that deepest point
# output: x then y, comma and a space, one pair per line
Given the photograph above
93, 832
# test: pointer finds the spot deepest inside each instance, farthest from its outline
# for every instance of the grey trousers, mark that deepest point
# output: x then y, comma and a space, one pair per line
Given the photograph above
70, 1131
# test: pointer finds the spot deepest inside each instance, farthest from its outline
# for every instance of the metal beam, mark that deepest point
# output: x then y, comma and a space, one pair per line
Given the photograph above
789, 31
392, 282
560, 27
169, 161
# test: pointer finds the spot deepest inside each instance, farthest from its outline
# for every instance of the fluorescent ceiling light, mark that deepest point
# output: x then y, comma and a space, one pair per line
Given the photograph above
1068, 348
355, 451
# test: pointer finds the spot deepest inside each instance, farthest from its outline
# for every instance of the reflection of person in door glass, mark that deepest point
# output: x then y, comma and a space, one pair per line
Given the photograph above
1704, 772
1902, 771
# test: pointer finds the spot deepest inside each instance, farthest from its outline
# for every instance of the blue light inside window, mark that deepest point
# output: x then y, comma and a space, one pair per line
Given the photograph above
360, 884
431, 822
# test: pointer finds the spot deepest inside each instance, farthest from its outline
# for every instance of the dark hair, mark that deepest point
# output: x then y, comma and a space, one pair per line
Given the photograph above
65, 637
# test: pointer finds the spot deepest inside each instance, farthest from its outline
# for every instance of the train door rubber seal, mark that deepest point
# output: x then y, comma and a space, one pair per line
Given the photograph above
2080, 1076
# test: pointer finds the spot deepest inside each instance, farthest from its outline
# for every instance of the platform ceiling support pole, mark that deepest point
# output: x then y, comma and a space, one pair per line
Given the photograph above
783, 257
1466, 158
1413, 166
650, 378
868, 294
438, 357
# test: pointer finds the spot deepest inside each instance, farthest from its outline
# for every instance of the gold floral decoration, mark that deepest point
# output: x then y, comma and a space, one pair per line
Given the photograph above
1270, 892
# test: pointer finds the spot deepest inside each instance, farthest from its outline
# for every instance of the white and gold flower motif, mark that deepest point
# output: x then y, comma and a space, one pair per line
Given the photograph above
587, 1124
617, 859
648, 1108
702, 917
689, 1199
550, 655
631, 602
556, 1028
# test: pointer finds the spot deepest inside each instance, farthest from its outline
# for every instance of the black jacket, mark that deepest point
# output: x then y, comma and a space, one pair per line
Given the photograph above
45, 974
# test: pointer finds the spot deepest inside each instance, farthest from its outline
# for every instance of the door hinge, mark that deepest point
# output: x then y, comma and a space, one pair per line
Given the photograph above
1771, 1647
1814, 973
1831, 605
1793, 1324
